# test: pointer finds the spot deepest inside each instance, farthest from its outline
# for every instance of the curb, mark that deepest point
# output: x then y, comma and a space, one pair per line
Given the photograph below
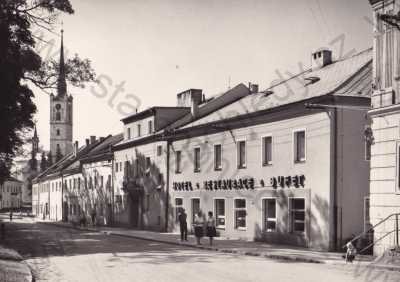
201, 247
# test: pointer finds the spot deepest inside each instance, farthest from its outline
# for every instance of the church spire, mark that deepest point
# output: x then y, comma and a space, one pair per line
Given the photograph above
35, 141
61, 83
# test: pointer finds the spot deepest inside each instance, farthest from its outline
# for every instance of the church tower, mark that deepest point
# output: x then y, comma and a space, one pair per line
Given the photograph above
35, 142
61, 114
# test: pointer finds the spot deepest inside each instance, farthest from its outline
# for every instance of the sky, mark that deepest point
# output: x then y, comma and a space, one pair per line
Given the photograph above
146, 51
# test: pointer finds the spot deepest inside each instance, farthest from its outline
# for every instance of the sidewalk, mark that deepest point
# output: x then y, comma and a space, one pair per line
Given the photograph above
224, 245
12, 267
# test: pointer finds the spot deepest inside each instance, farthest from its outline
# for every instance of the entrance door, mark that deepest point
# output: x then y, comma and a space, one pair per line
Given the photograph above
195, 207
134, 211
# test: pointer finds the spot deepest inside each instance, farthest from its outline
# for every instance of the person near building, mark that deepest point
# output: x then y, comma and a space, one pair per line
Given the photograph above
183, 224
350, 253
211, 230
198, 227
93, 215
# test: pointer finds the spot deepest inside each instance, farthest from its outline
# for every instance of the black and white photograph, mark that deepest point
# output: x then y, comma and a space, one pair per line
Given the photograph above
199, 140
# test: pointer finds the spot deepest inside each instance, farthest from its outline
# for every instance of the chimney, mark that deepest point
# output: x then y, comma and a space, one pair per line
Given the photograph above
194, 108
76, 147
87, 142
102, 139
185, 98
92, 139
253, 88
321, 58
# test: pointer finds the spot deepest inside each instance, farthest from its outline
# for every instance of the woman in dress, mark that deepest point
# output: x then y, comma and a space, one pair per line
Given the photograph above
198, 227
211, 230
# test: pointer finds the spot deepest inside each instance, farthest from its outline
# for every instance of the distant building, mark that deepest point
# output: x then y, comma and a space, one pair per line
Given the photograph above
384, 133
11, 194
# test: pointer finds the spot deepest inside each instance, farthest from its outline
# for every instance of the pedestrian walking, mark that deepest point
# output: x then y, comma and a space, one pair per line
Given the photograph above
11, 215
198, 227
93, 216
211, 230
183, 224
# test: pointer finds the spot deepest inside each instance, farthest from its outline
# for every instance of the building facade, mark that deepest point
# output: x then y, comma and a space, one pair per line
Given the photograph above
385, 117
280, 169
11, 194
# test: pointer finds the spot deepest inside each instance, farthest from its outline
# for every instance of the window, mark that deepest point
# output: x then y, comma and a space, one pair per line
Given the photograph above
148, 163
300, 146
367, 221
218, 157
269, 213
159, 150
150, 126
267, 150
58, 112
178, 158
240, 213
128, 133
195, 207
220, 213
297, 214
178, 207
241, 154
58, 132
367, 150
138, 130
116, 167
196, 159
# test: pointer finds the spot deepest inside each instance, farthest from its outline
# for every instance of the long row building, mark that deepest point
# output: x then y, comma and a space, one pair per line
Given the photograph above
288, 164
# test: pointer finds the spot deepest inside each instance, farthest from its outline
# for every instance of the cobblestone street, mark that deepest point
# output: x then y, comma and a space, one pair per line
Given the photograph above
64, 254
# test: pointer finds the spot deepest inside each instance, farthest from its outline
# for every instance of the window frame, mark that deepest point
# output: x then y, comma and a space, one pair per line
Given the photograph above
215, 199
291, 226
139, 129
217, 168
234, 214
263, 219
238, 142
150, 127
196, 162
128, 133
178, 165
263, 161
294, 147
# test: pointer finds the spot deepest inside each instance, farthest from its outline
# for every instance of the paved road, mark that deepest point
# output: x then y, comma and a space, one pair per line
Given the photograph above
58, 254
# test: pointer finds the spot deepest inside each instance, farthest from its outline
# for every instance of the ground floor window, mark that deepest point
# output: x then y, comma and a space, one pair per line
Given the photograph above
297, 214
220, 213
195, 207
240, 213
178, 207
269, 213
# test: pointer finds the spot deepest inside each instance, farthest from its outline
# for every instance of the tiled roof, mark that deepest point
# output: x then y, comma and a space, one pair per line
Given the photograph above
350, 77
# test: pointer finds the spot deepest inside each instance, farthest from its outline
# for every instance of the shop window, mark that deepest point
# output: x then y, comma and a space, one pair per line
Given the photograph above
195, 207
220, 213
240, 213
196, 159
218, 157
269, 212
267, 150
178, 207
241, 154
297, 214
159, 150
300, 146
